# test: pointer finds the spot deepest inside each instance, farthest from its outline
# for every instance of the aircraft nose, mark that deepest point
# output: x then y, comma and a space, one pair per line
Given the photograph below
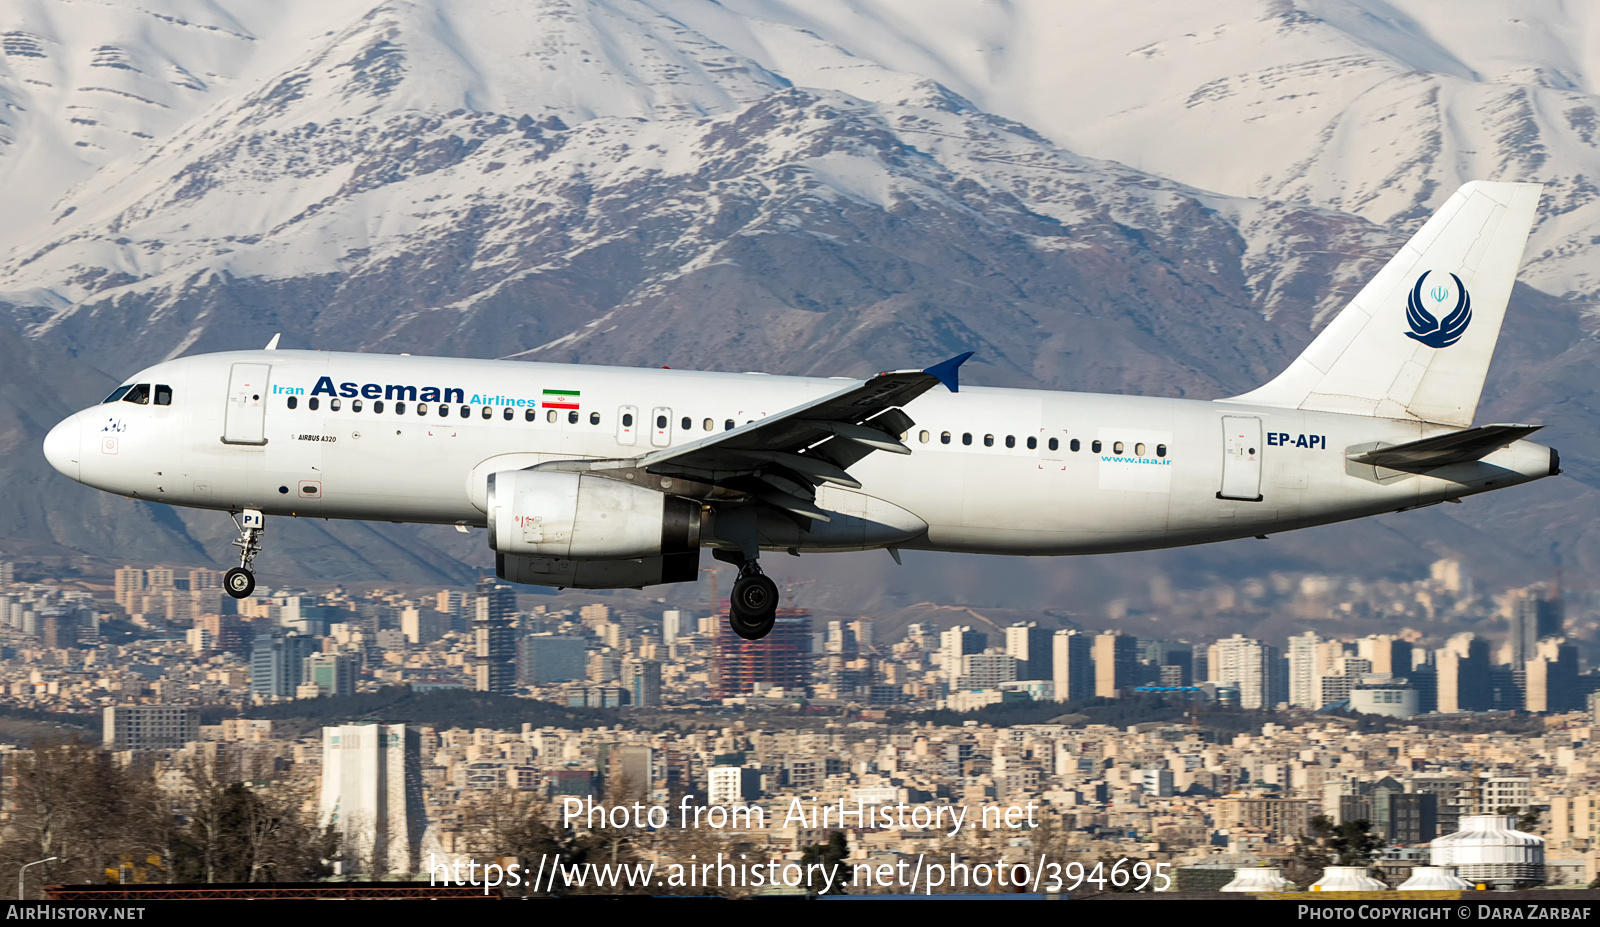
61, 446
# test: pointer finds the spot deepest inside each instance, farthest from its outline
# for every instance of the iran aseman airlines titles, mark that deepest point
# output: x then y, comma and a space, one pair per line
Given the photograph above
602, 477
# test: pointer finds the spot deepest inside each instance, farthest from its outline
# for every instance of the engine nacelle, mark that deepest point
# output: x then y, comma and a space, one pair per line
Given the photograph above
599, 574
575, 516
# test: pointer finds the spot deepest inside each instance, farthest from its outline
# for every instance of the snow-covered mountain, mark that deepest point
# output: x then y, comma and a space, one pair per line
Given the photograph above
1138, 198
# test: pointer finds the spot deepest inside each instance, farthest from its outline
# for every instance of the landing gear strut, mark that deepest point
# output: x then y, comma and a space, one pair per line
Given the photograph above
753, 607
239, 581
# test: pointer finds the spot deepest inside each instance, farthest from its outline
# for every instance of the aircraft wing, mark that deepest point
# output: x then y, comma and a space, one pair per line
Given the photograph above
782, 458
1442, 450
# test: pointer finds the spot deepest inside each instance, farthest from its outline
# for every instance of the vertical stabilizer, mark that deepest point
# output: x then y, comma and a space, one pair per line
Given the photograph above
1416, 342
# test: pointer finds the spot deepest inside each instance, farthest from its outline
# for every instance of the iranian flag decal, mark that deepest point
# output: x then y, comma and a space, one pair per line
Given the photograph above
560, 399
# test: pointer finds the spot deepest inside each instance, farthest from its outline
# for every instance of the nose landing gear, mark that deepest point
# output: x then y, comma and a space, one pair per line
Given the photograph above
239, 581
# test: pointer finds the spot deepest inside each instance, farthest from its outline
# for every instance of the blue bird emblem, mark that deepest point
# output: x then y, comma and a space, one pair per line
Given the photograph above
1426, 327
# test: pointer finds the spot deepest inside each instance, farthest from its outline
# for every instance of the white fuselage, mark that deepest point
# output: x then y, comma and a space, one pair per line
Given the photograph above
1157, 479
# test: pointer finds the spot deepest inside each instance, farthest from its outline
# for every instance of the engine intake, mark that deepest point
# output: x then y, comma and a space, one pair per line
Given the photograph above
576, 516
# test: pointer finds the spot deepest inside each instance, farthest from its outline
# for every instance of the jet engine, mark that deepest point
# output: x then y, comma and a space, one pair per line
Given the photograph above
577, 516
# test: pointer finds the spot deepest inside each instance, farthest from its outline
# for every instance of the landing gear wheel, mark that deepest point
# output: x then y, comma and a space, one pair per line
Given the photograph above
239, 582
753, 607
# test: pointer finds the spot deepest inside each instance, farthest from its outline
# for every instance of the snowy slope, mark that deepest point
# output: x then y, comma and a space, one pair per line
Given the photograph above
1375, 107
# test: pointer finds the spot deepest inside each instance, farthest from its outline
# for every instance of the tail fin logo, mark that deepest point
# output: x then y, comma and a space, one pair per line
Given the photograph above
1426, 327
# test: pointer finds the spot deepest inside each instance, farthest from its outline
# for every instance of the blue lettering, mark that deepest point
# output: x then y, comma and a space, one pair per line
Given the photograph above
408, 393
430, 394
372, 391
1300, 441
1283, 438
1272, 439
455, 393
348, 390
324, 387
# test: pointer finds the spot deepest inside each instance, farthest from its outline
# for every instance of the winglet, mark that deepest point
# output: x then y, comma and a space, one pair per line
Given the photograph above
945, 371
273, 344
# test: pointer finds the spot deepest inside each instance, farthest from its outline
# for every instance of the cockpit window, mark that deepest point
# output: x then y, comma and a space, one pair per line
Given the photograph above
119, 393
164, 395
140, 393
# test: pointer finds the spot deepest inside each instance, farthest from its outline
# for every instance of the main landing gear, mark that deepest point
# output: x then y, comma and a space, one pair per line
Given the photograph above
753, 607
239, 581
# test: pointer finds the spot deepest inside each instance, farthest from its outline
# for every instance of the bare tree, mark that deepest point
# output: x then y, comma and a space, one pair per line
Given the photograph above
99, 816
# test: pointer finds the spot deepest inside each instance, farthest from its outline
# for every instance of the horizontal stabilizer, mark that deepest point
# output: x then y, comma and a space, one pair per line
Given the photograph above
1442, 450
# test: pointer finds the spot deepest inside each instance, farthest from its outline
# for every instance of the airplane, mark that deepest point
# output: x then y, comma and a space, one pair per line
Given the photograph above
603, 477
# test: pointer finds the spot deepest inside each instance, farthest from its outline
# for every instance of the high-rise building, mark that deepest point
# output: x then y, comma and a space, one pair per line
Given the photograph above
782, 659
330, 674
150, 727
1031, 646
986, 670
956, 643
1388, 653
1072, 665
1116, 660
494, 654
674, 624
372, 794
1304, 690
227, 633
547, 659
129, 585
1552, 677
643, 681
732, 785
277, 662
1251, 666
1462, 666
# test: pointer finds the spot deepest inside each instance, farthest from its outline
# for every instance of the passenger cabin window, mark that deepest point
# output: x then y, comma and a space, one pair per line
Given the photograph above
118, 393
335, 404
1138, 449
552, 416
594, 419
399, 408
988, 440
572, 418
922, 436
509, 414
1033, 444
1011, 441
687, 423
292, 402
944, 437
1116, 448
1161, 450
377, 406
139, 394
627, 419
1095, 446
422, 408
355, 405
966, 437
1075, 445
1054, 444
164, 396
708, 424
310, 403
727, 425
466, 411
488, 412
529, 415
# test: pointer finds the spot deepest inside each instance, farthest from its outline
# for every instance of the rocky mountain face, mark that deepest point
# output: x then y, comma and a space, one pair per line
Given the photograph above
740, 186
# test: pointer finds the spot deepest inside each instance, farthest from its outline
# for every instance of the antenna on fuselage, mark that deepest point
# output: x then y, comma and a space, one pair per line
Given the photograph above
273, 344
